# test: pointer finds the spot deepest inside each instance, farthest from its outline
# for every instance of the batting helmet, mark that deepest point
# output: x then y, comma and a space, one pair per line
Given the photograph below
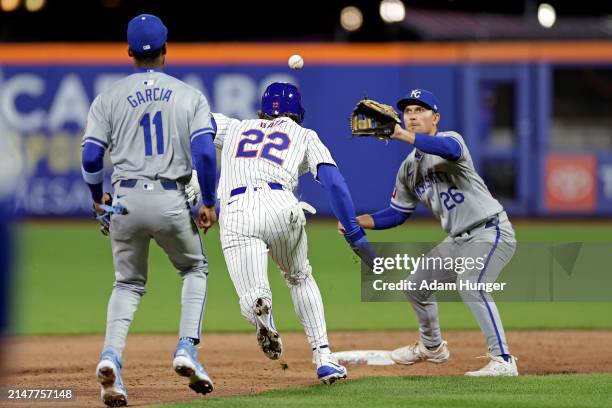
282, 98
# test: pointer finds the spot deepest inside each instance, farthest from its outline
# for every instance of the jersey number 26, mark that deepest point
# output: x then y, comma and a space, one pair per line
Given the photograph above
453, 195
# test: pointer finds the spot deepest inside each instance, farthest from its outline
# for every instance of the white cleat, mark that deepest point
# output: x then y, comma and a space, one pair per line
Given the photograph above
186, 364
418, 352
267, 336
328, 369
108, 373
497, 367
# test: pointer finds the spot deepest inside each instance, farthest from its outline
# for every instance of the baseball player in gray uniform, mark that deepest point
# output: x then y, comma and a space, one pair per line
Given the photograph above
261, 162
152, 125
440, 174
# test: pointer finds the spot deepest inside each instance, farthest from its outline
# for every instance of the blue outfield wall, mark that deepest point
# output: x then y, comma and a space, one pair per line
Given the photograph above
44, 109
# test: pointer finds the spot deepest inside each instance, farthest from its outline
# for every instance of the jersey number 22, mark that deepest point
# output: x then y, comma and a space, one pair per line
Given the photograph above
266, 150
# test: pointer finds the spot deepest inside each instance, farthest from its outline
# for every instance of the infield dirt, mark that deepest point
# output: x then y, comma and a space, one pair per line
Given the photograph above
238, 367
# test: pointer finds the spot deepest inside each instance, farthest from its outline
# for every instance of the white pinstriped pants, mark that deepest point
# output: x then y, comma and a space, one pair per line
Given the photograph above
264, 220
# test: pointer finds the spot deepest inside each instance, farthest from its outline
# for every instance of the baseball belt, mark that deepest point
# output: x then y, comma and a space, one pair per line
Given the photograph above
241, 190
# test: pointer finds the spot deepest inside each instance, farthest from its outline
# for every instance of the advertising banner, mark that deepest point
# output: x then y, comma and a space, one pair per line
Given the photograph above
570, 183
45, 108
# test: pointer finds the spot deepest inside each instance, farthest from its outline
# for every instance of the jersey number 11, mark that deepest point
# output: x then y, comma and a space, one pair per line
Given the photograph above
145, 122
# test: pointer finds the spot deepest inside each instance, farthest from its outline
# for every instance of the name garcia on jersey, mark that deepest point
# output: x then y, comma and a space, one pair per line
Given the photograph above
149, 95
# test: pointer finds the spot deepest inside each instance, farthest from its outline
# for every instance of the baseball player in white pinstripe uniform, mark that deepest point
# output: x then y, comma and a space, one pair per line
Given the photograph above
261, 162
153, 125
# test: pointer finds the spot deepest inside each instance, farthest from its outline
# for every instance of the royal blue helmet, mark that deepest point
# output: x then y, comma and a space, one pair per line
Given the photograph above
282, 98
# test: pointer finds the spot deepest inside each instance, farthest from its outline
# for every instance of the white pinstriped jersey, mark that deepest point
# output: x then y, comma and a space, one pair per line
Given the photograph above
146, 121
452, 190
259, 151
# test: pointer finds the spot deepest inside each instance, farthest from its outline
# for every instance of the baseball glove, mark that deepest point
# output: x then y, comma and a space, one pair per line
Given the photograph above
375, 119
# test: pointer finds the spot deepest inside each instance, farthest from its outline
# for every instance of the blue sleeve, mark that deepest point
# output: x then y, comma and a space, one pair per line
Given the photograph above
213, 123
389, 218
340, 199
443, 146
205, 162
92, 169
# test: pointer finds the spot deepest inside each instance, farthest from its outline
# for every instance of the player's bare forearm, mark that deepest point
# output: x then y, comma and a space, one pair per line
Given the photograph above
365, 221
403, 135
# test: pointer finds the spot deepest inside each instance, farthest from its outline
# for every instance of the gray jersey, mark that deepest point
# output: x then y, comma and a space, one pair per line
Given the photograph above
453, 191
147, 121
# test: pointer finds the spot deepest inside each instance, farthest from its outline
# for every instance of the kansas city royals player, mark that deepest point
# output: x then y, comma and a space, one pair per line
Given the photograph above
151, 124
440, 174
262, 160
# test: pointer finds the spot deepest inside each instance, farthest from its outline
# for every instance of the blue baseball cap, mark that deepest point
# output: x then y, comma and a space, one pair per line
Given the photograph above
146, 33
420, 97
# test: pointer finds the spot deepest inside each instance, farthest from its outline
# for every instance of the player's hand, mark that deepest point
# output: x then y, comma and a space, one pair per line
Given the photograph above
104, 209
341, 229
106, 199
402, 134
207, 217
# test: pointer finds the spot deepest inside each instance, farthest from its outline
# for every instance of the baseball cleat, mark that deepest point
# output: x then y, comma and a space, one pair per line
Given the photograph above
497, 367
328, 370
186, 364
108, 372
267, 335
418, 352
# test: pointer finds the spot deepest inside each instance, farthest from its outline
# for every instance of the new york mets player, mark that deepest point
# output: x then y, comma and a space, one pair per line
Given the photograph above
151, 124
261, 162
440, 174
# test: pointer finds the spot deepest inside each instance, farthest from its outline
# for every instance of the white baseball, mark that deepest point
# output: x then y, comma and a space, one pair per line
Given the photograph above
295, 62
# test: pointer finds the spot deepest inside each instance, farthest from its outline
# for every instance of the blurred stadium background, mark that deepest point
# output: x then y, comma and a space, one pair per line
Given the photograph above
528, 84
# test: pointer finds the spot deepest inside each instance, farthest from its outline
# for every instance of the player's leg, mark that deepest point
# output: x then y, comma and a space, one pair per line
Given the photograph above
180, 239
289, 250
481, 303
130, 246
288, 245
498, 244
246, 257
431, 346
130, 260
176, 233
247, 262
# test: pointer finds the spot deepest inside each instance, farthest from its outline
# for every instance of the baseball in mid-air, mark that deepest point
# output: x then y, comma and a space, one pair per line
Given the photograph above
295, 62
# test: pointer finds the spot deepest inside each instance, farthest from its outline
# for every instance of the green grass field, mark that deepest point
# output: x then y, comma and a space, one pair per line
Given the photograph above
554, 391
65, 275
